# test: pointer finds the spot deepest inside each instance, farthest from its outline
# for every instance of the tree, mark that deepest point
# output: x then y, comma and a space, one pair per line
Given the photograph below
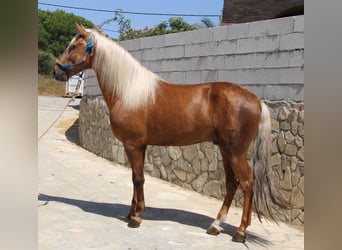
56, 29
177, 24
124, 24
46, 61
207, 23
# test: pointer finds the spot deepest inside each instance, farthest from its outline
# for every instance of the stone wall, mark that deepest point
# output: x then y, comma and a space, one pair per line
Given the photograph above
199, 167
266, 57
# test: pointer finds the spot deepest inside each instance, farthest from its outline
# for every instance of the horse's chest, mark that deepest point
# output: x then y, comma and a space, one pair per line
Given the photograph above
125, 126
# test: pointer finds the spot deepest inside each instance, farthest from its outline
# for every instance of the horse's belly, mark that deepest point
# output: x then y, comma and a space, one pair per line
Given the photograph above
180, 136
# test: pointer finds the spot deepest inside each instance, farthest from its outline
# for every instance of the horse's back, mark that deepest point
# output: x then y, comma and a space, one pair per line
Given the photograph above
180, 115
189, 114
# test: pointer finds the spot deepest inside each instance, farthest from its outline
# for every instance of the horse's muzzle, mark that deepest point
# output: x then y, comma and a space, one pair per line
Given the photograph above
59, 74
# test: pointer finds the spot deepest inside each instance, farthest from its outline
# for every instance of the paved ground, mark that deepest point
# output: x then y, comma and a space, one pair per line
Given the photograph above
83, 200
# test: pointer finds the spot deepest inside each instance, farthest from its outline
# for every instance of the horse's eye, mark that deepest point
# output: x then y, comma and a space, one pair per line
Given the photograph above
71, 47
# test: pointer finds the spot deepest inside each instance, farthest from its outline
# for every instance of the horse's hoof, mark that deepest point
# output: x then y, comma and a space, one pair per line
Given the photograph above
127, 219
213, 231
134, 222
239, 238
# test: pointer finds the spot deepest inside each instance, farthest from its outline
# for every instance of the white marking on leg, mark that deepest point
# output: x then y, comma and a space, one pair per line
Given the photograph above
216, 224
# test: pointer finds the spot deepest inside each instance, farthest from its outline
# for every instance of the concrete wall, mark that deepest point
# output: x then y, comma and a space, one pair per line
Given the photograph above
266, 56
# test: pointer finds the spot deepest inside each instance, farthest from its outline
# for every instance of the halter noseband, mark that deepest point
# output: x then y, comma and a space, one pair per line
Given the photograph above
66, 67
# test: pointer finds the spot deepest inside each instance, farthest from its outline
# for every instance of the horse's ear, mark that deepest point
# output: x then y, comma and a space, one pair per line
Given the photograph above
81, 30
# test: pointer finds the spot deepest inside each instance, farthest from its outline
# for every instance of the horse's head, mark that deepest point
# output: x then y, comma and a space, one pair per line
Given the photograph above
77, 57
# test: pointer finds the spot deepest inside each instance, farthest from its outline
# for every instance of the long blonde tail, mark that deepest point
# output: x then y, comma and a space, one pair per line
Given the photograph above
264, 192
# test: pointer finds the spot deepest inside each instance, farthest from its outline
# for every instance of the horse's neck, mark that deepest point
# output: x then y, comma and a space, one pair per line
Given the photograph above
110, 97
121, 76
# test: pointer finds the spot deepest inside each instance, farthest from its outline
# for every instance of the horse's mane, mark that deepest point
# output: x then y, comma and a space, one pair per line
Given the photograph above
121, 74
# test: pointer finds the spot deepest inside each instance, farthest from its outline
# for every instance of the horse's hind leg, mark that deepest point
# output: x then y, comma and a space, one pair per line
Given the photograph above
234, 155
136, 155
231, 186
244, 175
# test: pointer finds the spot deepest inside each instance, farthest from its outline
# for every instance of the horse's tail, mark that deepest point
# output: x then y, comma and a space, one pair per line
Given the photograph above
264, 192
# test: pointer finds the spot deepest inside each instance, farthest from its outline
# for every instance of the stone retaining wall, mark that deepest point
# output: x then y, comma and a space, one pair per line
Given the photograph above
199, 167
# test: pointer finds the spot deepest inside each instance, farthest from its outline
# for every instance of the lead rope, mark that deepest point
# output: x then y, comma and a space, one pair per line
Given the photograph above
71, 100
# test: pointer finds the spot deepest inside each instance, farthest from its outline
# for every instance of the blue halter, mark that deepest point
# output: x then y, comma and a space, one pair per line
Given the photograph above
89, 50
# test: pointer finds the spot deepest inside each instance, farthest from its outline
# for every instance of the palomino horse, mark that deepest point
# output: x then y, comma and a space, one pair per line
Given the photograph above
146, 110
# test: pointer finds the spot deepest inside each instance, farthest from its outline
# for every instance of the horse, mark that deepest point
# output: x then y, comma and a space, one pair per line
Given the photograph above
146, 110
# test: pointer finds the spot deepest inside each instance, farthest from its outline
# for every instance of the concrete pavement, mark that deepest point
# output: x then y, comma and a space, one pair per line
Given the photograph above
83, 201
49, 108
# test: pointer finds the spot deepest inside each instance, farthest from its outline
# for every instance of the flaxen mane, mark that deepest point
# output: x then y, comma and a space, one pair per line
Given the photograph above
123, 75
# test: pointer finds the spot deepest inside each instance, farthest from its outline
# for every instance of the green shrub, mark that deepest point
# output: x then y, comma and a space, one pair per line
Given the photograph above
46, 62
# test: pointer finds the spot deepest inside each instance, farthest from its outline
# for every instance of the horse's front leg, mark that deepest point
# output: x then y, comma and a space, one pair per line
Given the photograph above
136, 155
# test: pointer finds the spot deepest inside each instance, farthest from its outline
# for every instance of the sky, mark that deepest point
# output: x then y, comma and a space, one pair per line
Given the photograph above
202, 7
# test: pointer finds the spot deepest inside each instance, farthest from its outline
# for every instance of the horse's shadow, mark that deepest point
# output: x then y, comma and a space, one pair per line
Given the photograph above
120, 211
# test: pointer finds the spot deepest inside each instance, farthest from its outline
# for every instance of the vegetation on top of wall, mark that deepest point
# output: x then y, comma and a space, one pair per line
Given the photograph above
172, 25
